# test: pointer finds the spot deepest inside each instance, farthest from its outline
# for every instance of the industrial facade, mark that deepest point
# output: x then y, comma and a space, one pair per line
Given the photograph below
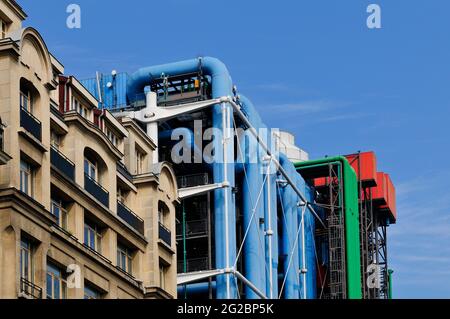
89, 178
80, 194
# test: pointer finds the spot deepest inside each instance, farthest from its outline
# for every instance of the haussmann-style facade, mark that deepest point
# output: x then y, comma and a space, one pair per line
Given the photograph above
84, 212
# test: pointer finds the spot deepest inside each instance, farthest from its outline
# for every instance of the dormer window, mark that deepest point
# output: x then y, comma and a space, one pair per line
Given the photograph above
112, 137
80, 108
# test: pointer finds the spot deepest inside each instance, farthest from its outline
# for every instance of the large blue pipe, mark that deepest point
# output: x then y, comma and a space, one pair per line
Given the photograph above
225, 232
289, 226
256, 268
252, 183
310, 249
311, 257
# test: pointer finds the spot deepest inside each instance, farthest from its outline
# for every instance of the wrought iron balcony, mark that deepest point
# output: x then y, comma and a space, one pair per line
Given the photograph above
29, 289
96, 190
165, 234
31, 123
62, 163
130, 217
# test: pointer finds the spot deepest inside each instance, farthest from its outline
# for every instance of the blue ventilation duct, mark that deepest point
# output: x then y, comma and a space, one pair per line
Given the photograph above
224, 199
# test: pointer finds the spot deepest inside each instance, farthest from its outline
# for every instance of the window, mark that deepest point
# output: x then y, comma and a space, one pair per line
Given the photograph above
112, 137
26, 178
26, 261
77, 106
91, 293
124, 258
162, 276
161, 218
56, 282
92, 236
163, 211
140, 157
55, 140
90, 169
26, 101
3, 28
60, 212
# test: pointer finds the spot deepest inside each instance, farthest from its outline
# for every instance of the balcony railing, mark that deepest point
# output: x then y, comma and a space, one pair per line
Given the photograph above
130, 217
62, 163
92, 250
121, 168
193, 264
96, 190
29, 289
165, 235
194, 228
31, 124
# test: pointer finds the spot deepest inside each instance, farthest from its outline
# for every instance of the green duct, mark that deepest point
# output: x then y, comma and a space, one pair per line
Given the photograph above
351, 217
390, 272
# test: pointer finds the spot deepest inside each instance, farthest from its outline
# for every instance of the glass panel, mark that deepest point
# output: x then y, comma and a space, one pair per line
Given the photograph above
86, 235
49, 286
91, 239
86, 167
56, 289
130, 270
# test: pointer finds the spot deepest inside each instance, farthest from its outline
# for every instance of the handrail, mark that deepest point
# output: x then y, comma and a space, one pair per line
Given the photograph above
130, 211
31, 115
65, 231
96, 183
163, 226
24, 284
62, 155
125, 272
97, 253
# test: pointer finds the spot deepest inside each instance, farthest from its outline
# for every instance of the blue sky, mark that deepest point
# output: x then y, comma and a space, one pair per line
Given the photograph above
313, 68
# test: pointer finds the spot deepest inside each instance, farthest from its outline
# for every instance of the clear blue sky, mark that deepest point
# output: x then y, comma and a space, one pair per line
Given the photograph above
314, 68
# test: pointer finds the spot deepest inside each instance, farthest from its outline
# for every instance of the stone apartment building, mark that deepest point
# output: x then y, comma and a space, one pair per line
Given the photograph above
84, 212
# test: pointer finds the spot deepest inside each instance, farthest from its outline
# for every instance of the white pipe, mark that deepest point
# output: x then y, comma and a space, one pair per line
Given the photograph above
151, 100
269, 231
250, 284
225, 175
100, 98
303, 253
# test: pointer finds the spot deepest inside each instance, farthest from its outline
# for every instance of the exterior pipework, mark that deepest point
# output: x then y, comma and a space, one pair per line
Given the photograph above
289, 226
310, 249
269, 204
252, 182
225, 216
